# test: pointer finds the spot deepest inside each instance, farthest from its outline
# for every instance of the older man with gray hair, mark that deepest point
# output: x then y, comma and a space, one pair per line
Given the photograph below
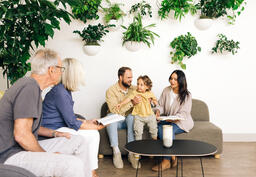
20, 117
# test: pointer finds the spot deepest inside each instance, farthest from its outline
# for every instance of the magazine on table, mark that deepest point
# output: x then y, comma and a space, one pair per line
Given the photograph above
110, 119
162, 118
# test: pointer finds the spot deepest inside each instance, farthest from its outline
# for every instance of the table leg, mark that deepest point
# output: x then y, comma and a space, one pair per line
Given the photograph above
177, 167
202, 166
181, 164
160, 167
137, 169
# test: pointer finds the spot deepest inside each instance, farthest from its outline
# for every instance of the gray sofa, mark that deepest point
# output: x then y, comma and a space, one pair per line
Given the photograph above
203, 130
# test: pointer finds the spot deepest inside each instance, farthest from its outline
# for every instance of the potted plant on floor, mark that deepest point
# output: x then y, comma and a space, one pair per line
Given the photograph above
185, 46
142, 8
224, 45
86, 10
92, 35
180, 8
113, 15
136, 34
214, 9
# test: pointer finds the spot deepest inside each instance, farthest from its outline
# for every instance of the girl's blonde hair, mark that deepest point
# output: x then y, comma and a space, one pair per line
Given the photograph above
73, 77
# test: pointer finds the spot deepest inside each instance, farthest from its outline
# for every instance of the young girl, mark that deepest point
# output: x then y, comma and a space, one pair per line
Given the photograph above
142, 112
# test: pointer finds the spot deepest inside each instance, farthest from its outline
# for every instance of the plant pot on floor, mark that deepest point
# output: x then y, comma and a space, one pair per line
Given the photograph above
91, 49
203, 23
133, 46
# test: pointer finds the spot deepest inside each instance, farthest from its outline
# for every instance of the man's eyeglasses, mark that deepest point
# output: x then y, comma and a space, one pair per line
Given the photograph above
61, 68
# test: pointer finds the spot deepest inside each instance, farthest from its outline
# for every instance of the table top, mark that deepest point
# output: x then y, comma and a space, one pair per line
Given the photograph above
151, 147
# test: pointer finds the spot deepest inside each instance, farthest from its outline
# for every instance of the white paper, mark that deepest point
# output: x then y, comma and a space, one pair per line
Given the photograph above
110, 119
170, 118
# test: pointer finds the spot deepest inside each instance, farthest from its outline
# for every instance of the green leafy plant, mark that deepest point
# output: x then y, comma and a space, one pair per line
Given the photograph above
86, 10
22, 24
184, 46
113, 12
223, 44
221, 8
93, 34
136, 32
143, 8
180, 8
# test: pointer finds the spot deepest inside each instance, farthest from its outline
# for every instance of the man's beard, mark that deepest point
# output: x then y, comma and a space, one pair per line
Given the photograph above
125, 84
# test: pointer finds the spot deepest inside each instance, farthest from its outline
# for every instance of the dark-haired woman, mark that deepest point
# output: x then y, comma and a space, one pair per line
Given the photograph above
175, 100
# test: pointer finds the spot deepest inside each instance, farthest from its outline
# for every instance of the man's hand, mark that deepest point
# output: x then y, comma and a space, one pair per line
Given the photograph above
136, 100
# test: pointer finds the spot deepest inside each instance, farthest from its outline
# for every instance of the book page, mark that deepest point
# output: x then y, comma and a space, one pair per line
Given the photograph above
110, 119
169, 118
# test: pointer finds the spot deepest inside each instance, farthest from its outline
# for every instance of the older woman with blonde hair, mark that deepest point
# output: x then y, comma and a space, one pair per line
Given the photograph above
58, 112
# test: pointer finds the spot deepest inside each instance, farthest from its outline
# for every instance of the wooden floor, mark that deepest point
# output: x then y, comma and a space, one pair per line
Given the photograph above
237, 160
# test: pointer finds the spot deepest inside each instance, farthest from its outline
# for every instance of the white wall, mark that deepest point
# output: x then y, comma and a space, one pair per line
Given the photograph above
225, 82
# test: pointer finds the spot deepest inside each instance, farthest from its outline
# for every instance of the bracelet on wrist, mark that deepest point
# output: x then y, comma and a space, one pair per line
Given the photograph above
54, 134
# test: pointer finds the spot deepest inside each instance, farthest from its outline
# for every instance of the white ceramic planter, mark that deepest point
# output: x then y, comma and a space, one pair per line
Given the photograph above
133, 46
118, 23
91, 49
204, 23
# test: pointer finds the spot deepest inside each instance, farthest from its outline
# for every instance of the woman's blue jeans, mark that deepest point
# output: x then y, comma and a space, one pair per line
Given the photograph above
113, 128
176, 130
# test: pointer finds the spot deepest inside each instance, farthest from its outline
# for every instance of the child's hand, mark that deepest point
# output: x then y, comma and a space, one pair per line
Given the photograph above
117, 107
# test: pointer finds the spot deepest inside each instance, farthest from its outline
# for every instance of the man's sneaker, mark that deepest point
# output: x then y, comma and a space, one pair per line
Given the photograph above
117, 160
134, 161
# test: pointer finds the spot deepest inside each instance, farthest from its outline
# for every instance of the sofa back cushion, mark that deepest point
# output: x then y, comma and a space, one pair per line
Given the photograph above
199, 110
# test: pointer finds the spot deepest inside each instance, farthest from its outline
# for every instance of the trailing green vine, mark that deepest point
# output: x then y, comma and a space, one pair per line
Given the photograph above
184, 46
223, 44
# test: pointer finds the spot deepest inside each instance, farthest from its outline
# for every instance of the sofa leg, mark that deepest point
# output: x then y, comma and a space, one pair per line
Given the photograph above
217, 156
101, 156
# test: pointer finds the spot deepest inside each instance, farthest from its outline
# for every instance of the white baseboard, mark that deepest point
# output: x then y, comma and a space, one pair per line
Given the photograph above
235, 137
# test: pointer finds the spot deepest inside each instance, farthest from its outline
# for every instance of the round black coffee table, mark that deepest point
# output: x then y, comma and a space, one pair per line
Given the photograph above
180, 148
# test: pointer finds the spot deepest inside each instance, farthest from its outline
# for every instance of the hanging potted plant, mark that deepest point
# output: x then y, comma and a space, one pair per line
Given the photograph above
180, 8
142, 8
223, 45
185, 46
86, 10
210, 10
136, 34
113, 15
92, 35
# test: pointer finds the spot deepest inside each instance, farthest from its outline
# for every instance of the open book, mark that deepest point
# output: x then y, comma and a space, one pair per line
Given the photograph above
110, 119
170, 118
